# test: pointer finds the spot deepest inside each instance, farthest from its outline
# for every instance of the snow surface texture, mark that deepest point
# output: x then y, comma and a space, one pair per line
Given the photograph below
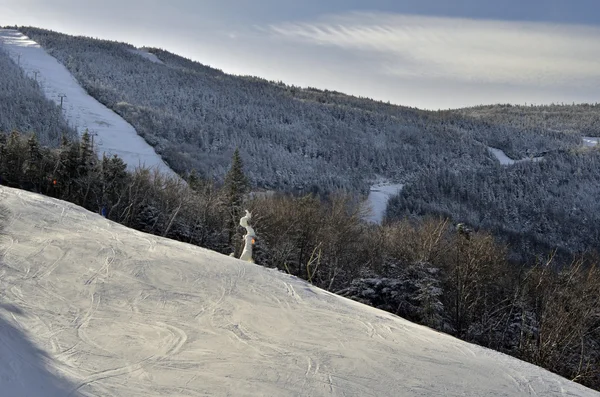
148, 55
112, 134
102, 310
505, 160
590, 141
379, 195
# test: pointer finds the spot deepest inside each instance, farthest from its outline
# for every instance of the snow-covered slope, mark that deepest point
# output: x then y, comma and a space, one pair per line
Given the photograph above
112, 134
505, 160
379, 195
147, 55
90, 306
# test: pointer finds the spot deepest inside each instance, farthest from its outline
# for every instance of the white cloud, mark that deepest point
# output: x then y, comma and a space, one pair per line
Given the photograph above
463, 50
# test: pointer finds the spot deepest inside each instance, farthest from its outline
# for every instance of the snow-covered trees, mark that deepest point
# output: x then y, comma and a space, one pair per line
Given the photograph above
534, 206
236, 183
295, 140
23, 106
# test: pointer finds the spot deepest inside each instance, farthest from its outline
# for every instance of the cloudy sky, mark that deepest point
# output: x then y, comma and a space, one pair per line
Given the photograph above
425, 53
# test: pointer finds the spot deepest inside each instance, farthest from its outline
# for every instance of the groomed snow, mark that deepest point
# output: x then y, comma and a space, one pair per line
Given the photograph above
379, 195
112, 134
92, 307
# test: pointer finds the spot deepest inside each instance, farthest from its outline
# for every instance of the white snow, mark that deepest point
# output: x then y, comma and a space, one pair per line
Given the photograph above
147, 55
379, 195
590, 141
505, 160
112, 134
93, 307
501, 156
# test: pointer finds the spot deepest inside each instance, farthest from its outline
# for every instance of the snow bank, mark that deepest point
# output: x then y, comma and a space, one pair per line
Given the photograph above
112, 134
118, 312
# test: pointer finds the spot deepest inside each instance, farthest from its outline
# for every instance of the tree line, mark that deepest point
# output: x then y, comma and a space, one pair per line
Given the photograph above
427, 270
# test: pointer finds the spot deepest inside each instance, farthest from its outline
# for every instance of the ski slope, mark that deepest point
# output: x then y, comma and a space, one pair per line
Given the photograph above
379, 195
112, 134
590, 141
92, 308
505, 160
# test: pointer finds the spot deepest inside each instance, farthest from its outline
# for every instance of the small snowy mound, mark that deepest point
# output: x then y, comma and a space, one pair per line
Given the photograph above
102, 310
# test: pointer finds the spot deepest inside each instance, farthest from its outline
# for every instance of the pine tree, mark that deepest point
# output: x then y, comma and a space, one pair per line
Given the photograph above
12, 161
86, 155
33, 164
114, 179
236, 185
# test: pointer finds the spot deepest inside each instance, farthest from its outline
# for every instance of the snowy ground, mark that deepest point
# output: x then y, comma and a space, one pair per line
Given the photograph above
505, 160
91, 307
112, 134
379, 195
590, 141
147, 55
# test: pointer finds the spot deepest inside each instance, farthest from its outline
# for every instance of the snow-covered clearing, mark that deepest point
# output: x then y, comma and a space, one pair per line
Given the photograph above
148, 55
112, 134
505, 160
590, 141
91, 307
379, 195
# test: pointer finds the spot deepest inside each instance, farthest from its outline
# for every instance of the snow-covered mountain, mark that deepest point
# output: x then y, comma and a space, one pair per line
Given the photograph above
89, 307
112, 134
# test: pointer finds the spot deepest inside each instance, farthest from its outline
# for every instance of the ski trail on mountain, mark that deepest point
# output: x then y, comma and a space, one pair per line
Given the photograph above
112, 134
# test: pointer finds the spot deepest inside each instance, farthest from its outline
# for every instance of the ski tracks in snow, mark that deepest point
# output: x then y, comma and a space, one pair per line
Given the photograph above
121, 313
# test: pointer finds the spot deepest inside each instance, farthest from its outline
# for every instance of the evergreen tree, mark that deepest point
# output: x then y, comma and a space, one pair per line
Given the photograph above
86, 155
33, 164
236, 186
236, 182
12, 161
113, 179
66, 169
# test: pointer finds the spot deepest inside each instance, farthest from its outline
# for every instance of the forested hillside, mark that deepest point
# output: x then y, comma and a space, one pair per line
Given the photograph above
292, 139
583, 119
535, 206
309, 140
23, 106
